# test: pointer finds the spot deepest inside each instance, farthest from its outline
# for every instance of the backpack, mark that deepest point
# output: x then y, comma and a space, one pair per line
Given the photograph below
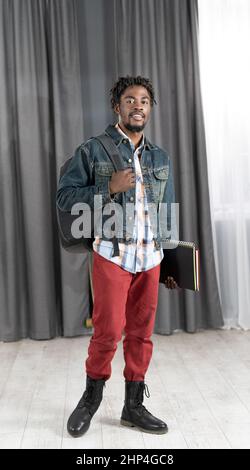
65, 218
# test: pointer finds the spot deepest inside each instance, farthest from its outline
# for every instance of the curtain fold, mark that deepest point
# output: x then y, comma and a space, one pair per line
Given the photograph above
44, 291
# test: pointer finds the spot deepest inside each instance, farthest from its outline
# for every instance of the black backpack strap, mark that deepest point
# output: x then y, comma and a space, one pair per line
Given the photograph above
117, 160
112, 151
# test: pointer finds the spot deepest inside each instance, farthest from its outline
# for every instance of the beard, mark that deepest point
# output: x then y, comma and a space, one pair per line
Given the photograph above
134, 128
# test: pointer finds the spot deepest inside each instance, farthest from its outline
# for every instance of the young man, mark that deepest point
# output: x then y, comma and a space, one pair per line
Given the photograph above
126, 274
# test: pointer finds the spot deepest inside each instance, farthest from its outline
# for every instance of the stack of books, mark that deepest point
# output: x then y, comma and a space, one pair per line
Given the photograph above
181, 261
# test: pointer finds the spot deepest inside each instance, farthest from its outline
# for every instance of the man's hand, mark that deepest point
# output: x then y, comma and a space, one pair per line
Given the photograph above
122, 181
170, 283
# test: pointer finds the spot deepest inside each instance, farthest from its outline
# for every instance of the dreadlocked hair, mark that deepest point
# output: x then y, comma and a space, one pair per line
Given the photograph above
124, 82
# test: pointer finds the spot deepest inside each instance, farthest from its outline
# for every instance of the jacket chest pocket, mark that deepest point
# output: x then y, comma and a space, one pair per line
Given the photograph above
103, 171
159, 180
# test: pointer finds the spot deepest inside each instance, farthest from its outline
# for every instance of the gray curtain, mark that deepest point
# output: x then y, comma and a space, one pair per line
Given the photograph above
59, 59
44, 291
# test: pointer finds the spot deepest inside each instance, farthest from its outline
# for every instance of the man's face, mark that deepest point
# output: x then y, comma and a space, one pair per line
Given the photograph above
134, 108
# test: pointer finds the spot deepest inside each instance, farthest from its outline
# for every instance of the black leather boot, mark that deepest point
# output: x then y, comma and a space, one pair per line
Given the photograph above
134, 414
79, 420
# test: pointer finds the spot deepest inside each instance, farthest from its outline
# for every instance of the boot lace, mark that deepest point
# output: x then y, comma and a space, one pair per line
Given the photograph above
143, 388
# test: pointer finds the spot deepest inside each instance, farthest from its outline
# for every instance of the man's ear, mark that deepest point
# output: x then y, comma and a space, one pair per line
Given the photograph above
117, 109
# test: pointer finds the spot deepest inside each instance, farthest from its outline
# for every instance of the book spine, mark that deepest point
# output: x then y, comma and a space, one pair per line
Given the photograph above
197, 259
194, 270
180, 243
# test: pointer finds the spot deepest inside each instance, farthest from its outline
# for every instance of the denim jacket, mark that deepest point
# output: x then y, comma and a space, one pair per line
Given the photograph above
89, 174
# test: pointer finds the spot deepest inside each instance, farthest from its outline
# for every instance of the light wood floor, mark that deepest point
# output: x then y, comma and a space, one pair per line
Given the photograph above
199, 384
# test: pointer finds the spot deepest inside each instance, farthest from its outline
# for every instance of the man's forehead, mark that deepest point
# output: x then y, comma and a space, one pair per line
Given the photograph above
136, 90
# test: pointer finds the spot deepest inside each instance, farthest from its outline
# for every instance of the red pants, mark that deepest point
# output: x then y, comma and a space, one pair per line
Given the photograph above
123, 302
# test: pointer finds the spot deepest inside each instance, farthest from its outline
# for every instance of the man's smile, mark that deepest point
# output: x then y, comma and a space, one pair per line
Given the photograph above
137, 116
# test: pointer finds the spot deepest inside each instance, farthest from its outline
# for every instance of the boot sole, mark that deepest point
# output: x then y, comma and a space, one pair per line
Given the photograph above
123, 422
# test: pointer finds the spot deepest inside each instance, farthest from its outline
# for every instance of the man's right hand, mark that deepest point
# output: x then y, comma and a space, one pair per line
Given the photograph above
122, 181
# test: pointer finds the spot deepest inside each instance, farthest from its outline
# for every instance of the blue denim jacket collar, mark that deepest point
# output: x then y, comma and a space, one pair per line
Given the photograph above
142, 141
118, 138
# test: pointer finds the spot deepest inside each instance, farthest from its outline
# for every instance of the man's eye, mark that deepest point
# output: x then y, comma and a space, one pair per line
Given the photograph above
131, 100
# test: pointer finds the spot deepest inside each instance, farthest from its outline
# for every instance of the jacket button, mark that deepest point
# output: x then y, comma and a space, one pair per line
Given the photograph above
131, 199
129, 160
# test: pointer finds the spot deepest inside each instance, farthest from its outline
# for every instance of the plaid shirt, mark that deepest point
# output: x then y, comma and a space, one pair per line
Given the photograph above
140, 255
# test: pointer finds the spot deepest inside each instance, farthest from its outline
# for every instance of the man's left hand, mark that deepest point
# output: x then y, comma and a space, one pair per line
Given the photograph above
170, 283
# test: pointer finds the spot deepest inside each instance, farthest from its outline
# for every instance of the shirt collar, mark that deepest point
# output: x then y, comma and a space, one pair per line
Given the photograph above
127, 137
113, 132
